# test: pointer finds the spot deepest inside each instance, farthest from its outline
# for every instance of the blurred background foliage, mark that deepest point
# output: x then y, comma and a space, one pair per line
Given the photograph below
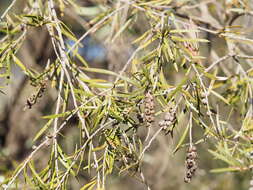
211, 37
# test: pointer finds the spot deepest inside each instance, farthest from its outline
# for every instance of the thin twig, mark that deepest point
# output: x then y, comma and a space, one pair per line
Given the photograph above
217, 62
8, 9
149, 143
58, 104
93, 29
82, 150
65, 62
27, 160
190, 129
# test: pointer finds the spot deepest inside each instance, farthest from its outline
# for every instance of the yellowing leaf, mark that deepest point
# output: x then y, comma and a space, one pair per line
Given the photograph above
179, 39
19, 63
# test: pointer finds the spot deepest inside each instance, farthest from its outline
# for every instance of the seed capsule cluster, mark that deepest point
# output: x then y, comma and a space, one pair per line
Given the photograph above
169, 119
34, 98
190, 164
203, 98
149, 109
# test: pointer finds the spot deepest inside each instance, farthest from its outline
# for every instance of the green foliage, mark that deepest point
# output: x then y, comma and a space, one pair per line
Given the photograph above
213, 96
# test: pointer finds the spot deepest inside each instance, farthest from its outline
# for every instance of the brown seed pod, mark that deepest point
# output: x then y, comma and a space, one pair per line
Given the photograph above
203, 98
187, 180
169, 119
192, 155
190, 163
140, 118
149, 109
29, 103
162, 124
188, 174
33, 99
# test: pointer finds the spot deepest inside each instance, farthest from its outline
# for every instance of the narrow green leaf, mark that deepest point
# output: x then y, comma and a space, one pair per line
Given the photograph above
19, 63
179, 39
220, 170
36, 175
57, 115
42, 130
182, 31
221, 157
64, 161
122, 29
180, 142
139, 39
91, 184
103, 71
99, 148
219, 96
